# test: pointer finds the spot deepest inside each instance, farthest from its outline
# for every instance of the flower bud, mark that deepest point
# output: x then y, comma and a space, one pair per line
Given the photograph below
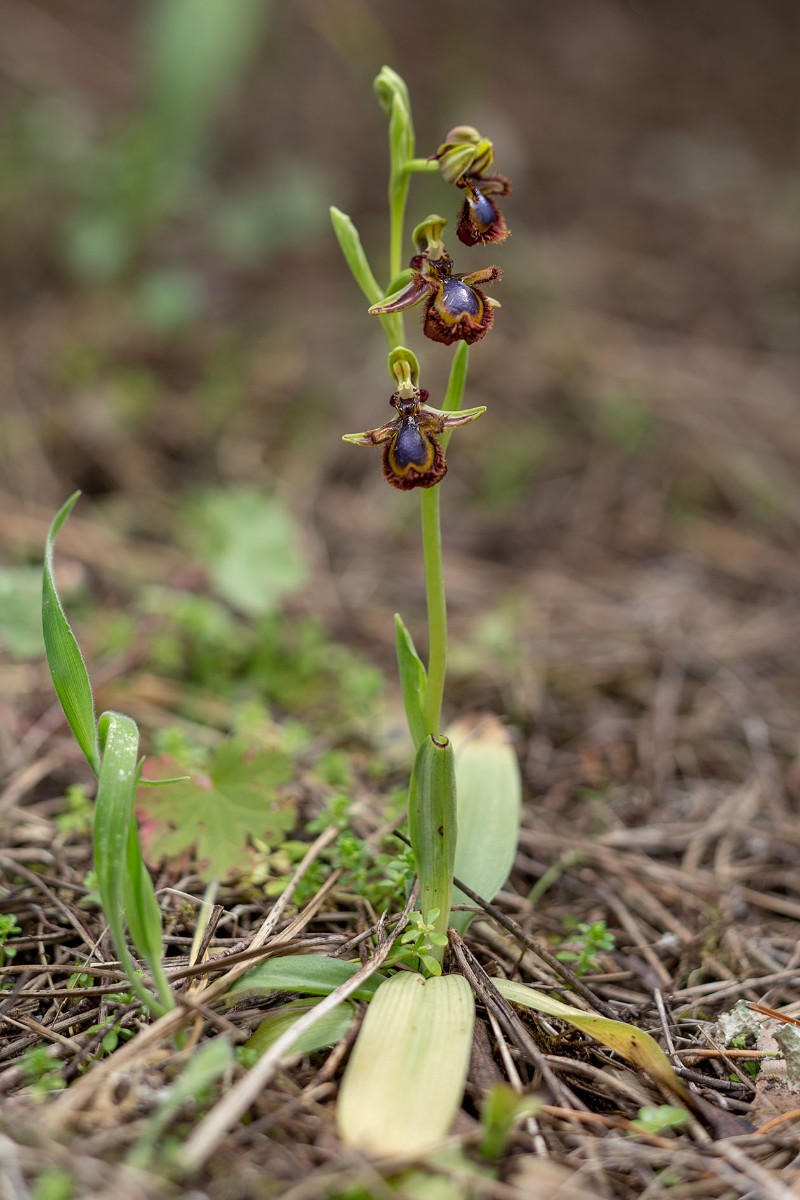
463, 152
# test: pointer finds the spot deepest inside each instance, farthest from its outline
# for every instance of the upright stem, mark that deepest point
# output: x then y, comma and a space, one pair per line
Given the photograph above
437, 607
432, 558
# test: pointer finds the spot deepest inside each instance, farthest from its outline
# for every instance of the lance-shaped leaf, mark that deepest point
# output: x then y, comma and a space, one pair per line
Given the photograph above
67, 668
314, 974
432, 829
413, 681
626, 1040
489, 791
405, 1079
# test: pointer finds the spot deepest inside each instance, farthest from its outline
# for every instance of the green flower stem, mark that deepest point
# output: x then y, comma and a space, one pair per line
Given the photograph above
418, 166
432, 557
398, 194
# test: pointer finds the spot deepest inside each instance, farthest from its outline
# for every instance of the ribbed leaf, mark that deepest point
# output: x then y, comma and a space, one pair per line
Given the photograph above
405, 1079
626, 1040
67, 668
489, 791
314, 974
413, 681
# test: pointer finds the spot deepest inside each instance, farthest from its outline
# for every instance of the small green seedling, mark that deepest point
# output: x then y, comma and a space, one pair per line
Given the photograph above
656, 1118
594, 939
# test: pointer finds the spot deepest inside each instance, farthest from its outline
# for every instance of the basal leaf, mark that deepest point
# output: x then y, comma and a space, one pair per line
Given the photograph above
489, 790
214, 816
405, 1079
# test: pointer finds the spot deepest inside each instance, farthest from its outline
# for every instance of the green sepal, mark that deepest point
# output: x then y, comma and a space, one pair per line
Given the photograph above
413, 681
432, 830
64, 658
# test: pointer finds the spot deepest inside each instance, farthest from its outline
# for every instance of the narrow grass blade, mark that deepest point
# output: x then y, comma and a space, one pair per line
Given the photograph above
626, 1040
489, 790
432, 830
67, 668
314, 974
327, 1032
201, 1071
119, 743
413, 681
405, 1079
142, 913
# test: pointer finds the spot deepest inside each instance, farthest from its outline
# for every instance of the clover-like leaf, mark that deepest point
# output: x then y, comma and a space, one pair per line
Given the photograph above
214, 816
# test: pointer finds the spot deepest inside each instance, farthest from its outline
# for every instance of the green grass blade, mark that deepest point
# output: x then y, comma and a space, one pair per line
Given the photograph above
432, 830
67, 668
489, 800
405, 1079
142, 913
413, 681
119, 742
314, 974
202, 1070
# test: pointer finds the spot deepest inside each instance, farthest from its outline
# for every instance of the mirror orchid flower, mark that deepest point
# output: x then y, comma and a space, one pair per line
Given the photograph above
455, 308
464, 159
413, 456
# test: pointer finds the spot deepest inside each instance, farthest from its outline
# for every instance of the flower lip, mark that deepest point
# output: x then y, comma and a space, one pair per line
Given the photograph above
457, 299
480, 220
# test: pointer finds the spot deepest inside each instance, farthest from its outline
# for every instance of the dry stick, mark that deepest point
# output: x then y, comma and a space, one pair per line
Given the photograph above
63, 908
541, 951
482, 985
235, 1104
531, 1124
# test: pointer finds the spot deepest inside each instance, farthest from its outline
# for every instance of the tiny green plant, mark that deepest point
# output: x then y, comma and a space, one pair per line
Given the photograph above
8, 929
591, 939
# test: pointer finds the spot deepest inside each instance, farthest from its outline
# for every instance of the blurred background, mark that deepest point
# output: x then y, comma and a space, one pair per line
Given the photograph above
181, 340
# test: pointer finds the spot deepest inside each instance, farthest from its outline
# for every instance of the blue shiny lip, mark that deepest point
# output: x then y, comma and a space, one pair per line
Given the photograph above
458, 299
481, 211
410, 447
